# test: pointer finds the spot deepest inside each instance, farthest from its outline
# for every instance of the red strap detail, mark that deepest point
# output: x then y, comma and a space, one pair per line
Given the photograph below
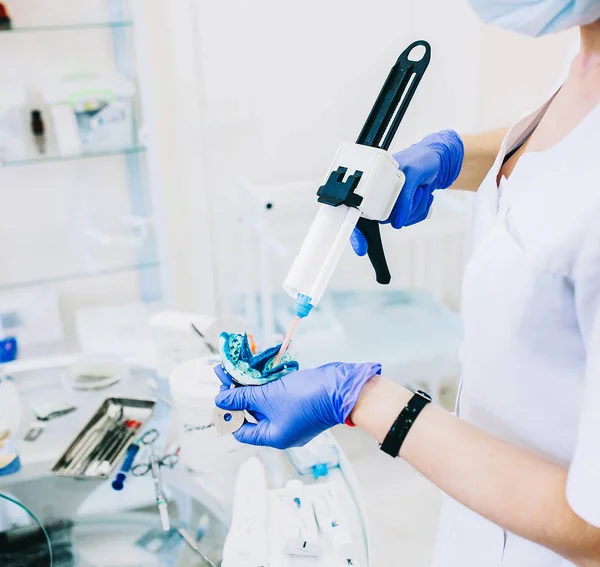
349, 422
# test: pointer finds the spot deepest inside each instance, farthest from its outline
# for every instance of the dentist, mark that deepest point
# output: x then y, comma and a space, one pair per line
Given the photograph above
520, 463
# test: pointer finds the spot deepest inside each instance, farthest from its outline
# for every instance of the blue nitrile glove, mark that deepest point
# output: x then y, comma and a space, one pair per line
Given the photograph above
433, 163
296, 408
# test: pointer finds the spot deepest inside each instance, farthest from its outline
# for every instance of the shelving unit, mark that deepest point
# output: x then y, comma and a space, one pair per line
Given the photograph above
49, 199
79, 276
68, 27
46, 158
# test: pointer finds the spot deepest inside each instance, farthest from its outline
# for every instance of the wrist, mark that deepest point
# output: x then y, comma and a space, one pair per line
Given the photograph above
350, 382
378, 406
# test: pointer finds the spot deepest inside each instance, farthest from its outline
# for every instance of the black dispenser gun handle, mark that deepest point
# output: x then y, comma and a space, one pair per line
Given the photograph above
379, 131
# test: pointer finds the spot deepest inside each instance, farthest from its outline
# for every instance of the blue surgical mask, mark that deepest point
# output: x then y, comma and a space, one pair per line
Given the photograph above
537, 17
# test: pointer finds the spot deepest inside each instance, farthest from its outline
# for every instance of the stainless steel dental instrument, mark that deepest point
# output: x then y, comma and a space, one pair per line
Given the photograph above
193, 545
103, 440
153, 466
208, 344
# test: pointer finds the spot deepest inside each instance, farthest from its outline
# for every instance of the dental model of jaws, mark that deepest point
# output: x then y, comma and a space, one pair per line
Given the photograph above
360, 190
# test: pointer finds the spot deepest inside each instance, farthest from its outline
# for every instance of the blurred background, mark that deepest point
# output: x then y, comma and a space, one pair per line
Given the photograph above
166, 155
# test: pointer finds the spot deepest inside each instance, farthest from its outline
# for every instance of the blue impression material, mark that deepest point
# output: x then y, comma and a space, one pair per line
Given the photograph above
248, 369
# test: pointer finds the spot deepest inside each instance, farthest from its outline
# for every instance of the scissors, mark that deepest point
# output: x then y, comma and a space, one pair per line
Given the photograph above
169, 460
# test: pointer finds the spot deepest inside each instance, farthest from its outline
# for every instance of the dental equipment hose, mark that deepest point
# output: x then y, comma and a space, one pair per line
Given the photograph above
35, 519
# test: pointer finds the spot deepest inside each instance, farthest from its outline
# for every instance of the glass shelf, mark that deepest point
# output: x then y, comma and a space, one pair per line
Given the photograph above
46, 158
67, 27
151, 265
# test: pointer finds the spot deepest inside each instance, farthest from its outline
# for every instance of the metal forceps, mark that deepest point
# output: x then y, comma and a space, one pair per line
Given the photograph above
153, 466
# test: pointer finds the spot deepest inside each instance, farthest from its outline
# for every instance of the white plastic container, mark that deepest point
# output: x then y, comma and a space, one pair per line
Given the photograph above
91, 112
194, 386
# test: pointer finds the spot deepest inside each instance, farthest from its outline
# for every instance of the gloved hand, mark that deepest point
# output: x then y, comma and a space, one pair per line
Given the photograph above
433, 163
296, 408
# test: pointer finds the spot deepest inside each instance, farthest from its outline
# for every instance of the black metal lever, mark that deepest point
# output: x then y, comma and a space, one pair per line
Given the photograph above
381, 127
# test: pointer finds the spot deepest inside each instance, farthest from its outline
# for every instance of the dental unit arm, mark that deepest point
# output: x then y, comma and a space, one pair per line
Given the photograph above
360, 191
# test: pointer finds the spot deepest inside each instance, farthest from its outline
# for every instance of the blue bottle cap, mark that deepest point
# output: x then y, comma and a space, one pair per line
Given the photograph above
118, 483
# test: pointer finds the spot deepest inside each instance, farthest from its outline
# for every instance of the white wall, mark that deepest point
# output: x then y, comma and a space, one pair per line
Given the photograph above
283, 84
262, 91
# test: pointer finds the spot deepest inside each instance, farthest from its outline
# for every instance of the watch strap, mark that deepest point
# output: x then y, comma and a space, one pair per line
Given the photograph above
405, 420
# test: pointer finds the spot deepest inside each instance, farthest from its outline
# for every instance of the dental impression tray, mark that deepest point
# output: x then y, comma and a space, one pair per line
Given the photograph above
247, 369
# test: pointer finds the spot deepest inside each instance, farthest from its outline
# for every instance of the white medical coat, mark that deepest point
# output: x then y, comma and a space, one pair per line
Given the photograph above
531, 309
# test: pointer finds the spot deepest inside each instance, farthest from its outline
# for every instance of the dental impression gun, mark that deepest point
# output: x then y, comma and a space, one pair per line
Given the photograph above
361, 189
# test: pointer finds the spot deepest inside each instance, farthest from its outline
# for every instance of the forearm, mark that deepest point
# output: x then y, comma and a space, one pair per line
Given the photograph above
480, 152
511, 487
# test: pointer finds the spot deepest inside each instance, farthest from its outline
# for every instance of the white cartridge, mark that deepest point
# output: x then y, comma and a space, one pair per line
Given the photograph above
321, 251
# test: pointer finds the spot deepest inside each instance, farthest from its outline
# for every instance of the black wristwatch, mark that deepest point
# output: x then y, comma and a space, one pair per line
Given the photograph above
399, 430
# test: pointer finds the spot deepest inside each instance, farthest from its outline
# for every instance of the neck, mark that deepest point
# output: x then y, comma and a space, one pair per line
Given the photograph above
590, 40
